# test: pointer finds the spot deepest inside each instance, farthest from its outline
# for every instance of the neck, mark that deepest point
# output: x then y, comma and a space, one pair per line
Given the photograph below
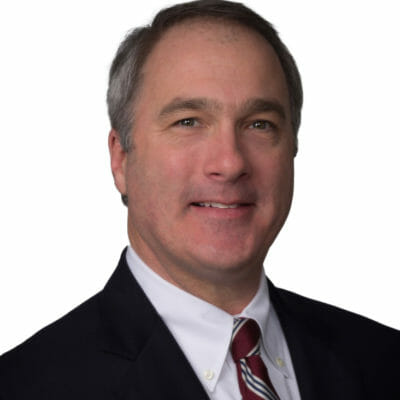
230, 295
230, 289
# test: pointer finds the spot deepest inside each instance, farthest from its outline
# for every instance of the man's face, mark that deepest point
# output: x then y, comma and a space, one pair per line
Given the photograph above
210, 175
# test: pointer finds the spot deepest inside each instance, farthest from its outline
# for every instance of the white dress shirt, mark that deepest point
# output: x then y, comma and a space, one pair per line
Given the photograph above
203, 331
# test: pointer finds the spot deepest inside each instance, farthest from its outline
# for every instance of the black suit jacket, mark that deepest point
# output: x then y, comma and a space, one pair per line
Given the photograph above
115, 346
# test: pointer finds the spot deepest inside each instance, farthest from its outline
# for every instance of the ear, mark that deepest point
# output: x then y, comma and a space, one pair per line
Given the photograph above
118, 158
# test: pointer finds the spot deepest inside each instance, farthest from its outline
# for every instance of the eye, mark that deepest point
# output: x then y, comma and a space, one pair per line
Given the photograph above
261, 124
187, 122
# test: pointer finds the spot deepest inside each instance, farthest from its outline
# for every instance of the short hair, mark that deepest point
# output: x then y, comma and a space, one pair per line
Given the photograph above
126, 69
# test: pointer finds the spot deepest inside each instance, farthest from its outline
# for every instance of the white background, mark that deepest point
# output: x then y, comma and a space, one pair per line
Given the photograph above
62, 225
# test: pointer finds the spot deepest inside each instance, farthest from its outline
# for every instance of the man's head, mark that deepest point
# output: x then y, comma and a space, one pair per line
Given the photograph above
126, 71
209, 177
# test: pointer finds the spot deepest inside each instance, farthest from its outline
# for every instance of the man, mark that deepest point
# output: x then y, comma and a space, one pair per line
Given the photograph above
204, 107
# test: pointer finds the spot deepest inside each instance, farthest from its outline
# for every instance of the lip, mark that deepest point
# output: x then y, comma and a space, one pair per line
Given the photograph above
241, 201
243, 209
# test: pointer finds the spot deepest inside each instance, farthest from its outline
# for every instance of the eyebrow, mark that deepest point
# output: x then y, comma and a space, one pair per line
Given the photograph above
182, 104
259, 105
251, 106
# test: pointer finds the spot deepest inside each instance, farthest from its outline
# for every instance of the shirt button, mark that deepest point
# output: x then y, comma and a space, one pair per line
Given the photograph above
280, 362
208, 374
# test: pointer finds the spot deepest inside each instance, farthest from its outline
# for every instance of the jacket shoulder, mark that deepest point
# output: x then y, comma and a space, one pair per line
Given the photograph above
47, 362
368, 346
316, 314
65, 331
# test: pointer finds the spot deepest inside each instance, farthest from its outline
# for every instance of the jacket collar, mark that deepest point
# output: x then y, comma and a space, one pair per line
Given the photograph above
132, 330
322, 370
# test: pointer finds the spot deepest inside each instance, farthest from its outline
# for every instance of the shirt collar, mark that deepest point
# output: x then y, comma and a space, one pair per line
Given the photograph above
202, 330
261, 310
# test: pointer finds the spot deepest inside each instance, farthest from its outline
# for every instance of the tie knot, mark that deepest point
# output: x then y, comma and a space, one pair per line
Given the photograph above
245, 339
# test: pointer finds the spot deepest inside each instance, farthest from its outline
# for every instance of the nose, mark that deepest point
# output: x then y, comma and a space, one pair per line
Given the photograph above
226, 159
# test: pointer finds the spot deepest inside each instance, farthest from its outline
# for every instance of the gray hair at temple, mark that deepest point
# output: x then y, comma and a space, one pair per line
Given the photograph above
126, 69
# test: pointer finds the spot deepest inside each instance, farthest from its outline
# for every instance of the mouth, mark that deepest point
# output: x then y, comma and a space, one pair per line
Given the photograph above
222, 211
212, 204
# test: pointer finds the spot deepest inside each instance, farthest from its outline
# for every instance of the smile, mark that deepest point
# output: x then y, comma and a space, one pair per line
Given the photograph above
216, 205
229, 210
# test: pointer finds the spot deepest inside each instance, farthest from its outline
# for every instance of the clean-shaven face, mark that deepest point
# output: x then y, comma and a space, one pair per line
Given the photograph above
210, 175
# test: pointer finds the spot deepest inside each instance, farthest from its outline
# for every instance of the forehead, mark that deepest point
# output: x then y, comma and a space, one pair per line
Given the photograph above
207, 33
213, 56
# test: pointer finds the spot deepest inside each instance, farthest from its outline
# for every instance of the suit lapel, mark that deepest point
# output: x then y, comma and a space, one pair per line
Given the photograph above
162, 372
322, 371
147, 358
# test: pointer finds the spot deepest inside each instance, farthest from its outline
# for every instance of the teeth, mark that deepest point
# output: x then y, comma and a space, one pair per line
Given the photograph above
218, 205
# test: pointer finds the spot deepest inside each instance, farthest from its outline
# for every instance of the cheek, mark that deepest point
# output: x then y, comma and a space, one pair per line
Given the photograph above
283, 183
173, 165
275, 180
161, 176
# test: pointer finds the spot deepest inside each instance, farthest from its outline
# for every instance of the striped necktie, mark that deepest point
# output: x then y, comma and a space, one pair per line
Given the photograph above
254, 382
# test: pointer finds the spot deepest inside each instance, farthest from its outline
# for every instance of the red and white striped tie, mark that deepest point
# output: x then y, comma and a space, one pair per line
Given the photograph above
254, 381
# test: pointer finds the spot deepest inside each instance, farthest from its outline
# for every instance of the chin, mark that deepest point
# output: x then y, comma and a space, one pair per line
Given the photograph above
227, 259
